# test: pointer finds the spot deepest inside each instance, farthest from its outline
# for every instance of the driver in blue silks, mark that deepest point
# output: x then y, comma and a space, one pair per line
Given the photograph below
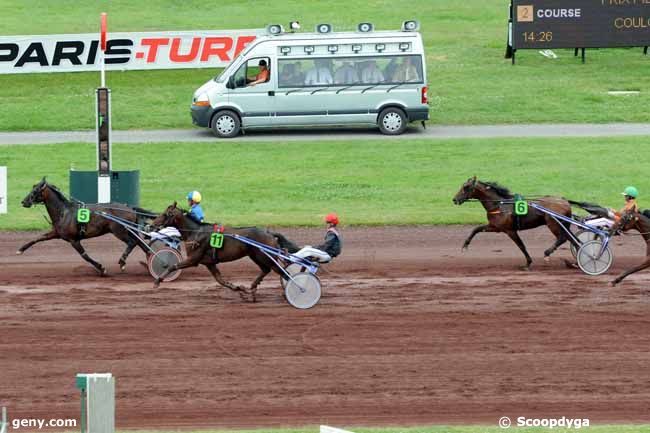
193, 200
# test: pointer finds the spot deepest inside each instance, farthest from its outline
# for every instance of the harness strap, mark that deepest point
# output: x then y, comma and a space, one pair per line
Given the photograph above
494, 212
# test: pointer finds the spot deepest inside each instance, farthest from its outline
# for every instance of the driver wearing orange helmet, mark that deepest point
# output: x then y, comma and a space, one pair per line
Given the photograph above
330, 248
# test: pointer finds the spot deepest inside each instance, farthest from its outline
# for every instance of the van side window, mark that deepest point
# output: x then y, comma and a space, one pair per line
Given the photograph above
350, 71
255, 71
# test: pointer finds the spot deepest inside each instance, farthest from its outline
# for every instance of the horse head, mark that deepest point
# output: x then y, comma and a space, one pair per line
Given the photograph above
36, 195
466, 191
171, 217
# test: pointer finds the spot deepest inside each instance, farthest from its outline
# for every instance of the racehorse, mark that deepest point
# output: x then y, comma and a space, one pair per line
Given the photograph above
498, 202
639, 221
63, 217
199, 252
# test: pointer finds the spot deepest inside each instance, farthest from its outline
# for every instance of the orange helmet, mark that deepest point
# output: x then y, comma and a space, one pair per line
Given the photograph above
332, 218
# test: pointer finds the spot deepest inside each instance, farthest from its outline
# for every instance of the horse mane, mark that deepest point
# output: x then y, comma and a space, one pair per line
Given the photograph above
499, 189
58, 192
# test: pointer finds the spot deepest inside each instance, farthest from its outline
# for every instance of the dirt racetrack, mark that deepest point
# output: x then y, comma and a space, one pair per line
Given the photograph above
409, 331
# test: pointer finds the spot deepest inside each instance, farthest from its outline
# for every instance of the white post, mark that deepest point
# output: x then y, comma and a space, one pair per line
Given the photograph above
98, 412
3, 190
3, 423
103, 69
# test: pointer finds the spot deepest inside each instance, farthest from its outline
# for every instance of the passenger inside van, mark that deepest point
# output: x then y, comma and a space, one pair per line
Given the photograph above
320, 75
391, 68
346, 74
262, 76
406, 72
371, 73
290, 75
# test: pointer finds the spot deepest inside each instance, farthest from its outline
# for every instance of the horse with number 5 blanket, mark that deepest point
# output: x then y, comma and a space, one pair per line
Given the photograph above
65, 222
197, 236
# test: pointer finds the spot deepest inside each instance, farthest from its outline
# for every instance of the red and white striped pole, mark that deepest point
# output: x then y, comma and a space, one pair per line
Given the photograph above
103, 106
103, 48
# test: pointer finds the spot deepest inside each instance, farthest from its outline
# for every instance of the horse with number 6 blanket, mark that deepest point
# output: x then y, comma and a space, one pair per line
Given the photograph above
197, 235
499, 202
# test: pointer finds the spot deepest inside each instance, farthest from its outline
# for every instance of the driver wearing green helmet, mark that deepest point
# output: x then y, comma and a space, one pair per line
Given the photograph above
630, 194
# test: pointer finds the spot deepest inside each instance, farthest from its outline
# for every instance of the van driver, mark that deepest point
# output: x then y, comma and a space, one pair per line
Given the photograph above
262, 76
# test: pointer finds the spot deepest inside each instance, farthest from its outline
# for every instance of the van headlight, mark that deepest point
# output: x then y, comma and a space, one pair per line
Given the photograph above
201, 101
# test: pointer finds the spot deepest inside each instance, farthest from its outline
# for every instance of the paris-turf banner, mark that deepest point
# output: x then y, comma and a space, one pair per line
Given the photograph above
124, 51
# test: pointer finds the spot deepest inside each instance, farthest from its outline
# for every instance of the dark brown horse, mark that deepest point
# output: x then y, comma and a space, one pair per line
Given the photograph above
199, 252
63, 215
499, 205
634, 221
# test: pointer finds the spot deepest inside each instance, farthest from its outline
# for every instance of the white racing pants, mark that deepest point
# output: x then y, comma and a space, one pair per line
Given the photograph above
308, 251
600, 222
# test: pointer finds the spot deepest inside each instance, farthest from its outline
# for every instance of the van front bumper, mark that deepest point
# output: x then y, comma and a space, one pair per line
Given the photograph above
201, 115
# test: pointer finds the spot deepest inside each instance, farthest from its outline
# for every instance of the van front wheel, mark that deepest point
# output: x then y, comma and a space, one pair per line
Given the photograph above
225, 124
392, 121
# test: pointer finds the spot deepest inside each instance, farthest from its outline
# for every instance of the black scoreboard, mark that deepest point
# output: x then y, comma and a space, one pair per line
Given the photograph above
545, 24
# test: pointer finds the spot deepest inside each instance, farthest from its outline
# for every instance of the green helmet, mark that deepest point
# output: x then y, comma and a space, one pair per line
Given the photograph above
631, 191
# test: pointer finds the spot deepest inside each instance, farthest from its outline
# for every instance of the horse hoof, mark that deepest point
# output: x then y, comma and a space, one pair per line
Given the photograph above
122, 268
612, 284
464, 249
103, 272
524, 268
19, 253
547, 259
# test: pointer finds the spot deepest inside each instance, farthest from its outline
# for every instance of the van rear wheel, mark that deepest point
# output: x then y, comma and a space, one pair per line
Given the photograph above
225, 124
392, 121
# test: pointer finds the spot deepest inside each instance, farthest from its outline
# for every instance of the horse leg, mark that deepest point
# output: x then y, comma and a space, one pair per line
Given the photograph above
130, 245
645, 264
253, 290
477, 230
517, 240
560, 237
219, 278
46, 237
82, 252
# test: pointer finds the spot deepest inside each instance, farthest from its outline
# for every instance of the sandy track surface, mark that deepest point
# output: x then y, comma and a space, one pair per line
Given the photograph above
409, 331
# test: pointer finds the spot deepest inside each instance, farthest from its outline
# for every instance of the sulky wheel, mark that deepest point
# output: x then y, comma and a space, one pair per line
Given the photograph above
303, 290
291, 269
590, 259
583, 236
157, 245
162, 259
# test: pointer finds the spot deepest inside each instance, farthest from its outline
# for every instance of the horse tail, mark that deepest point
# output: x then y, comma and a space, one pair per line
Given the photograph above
592, 208
285, 243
